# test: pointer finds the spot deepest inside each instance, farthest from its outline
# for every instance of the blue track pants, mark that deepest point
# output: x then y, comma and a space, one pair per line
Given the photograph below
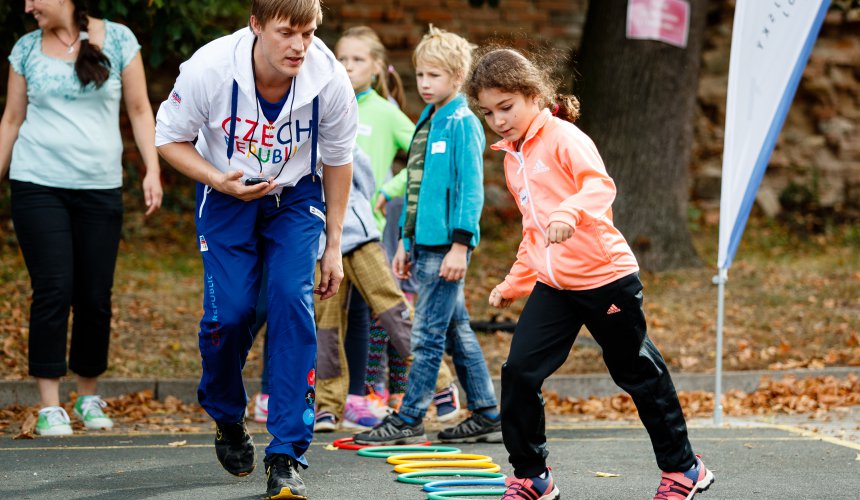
236, 238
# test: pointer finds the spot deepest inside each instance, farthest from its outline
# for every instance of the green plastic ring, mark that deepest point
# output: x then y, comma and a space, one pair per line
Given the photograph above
412, 477
387, 451
442, 495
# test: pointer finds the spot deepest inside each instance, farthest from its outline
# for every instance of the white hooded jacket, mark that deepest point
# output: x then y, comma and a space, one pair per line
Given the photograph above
202, 101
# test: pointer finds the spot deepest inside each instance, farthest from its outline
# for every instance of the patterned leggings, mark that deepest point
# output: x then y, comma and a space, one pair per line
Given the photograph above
380, 349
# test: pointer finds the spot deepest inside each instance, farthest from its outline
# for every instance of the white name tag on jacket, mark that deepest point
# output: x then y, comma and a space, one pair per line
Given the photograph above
437, 147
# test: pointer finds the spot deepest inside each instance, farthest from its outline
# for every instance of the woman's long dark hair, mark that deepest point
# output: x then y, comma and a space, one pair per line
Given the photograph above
91, 66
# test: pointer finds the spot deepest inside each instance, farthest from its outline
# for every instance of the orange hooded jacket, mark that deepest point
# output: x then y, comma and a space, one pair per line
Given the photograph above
558, 175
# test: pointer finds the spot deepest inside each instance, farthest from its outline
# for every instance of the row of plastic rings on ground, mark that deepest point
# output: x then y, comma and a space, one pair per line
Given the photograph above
416, 464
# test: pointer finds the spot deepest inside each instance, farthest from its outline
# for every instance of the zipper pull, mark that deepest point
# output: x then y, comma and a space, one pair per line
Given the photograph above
278, 201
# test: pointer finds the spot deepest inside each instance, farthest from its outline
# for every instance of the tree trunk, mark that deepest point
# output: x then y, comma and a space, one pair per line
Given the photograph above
638, 101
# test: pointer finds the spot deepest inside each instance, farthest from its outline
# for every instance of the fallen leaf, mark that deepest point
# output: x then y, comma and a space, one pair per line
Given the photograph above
606, 474
177, 444
330, 447
28, 427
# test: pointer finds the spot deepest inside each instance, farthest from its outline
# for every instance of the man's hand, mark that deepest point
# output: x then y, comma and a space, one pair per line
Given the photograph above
454, 264
400, 265
331, 273
558, 232
231, 183
496, 299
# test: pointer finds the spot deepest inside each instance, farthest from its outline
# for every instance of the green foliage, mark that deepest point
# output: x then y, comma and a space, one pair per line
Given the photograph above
168, 30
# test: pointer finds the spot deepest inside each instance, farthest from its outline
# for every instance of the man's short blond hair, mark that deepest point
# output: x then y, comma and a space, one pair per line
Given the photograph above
444, 50
298, 12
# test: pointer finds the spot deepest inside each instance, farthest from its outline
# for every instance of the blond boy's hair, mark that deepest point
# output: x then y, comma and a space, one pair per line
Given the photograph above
444, 50
298, 12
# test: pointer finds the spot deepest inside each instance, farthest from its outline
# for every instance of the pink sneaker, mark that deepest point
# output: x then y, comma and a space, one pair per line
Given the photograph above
356, 414
377, 403
684, 485
532, 488
261, 408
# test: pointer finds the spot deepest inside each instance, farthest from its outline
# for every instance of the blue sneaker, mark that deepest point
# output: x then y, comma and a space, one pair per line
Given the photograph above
447, 403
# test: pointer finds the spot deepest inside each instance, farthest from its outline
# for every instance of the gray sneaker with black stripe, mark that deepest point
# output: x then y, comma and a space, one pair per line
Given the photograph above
391, 431
478, 428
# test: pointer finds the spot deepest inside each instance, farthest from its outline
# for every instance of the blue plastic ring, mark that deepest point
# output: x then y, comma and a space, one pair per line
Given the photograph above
440, 485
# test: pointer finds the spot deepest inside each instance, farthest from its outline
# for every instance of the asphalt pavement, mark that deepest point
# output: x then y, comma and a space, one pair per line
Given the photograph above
749, 459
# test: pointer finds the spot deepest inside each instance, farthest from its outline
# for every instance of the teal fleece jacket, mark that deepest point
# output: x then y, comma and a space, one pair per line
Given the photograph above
451, 196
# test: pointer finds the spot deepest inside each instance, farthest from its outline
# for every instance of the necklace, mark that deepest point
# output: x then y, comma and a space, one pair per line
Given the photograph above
70, 46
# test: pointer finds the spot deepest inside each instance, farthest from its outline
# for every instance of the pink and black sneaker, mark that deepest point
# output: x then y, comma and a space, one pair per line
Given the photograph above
534, 488
685, 485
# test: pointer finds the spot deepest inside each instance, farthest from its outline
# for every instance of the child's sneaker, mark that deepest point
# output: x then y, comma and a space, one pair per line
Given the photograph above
261, 408
325, 422
476, 429
684, 485
53, 421
356, 414
89, 409
395, 400
377, 403
393, 430
447, 403
533, 488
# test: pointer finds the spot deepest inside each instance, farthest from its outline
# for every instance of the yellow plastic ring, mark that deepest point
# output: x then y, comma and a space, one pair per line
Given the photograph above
403, 458
426, 466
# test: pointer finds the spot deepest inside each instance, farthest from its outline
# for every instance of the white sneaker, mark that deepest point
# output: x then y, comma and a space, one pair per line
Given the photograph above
261, 408
325, 422
53, 421
89, 409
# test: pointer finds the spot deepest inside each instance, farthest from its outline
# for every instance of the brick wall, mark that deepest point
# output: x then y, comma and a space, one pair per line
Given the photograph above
401, 24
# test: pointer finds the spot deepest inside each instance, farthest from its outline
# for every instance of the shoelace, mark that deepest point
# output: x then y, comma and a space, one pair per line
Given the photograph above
285, 468
515, 490
92, 406
665, 488
469, 425
56, 416
388, 428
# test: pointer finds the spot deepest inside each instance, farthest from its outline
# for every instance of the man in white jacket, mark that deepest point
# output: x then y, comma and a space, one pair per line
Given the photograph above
262, 104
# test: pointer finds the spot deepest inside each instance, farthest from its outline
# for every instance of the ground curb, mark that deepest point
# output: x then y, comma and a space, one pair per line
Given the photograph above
579, 386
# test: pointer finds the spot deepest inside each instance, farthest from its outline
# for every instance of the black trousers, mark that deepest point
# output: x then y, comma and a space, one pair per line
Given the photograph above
69, 239
542, 341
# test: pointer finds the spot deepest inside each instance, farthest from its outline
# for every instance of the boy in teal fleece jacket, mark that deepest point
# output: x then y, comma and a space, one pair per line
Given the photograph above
439, 229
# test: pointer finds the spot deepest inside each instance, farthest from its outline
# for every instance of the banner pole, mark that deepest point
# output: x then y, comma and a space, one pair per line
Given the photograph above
720, 280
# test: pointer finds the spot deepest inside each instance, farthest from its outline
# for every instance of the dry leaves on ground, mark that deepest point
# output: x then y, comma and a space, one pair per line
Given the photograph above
788, 395
135, 412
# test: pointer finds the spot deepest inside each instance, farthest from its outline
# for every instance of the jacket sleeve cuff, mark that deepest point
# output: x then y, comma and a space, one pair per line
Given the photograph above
569, 218
462, 237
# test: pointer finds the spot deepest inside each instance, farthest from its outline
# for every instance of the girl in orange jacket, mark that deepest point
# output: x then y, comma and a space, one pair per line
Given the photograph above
578, 270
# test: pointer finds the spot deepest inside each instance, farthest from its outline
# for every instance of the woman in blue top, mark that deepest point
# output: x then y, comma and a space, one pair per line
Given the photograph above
60, 140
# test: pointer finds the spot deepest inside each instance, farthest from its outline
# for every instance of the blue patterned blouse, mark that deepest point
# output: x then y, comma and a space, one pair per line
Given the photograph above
70, 137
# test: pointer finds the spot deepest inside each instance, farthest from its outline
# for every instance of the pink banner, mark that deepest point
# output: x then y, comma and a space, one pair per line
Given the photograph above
666, 21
